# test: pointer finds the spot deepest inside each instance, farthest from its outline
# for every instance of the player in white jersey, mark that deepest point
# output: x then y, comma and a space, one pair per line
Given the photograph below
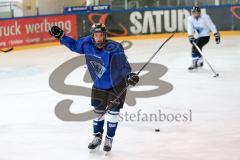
199, 27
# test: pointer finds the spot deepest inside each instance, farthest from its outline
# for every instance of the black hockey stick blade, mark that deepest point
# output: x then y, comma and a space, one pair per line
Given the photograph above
210, 66
6, 50
216, 75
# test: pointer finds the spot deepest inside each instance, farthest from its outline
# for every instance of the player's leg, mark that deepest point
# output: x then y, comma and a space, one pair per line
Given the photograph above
197, 59
113, 116
201, 42
99, 102
112, 123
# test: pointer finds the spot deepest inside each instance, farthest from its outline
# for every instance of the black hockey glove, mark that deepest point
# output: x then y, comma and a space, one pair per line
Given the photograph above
132, 79
56, 32
217, 37
191, 39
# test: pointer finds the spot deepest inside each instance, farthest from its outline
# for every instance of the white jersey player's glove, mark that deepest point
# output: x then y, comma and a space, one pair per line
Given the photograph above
217, 37
191, 39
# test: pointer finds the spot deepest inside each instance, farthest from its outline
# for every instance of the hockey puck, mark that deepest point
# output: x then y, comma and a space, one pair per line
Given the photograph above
157, 130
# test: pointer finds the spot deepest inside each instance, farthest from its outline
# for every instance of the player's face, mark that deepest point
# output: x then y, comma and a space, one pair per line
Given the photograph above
196, 14
98, 37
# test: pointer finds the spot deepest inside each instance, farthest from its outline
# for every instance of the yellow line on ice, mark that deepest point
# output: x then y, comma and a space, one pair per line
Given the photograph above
138, 37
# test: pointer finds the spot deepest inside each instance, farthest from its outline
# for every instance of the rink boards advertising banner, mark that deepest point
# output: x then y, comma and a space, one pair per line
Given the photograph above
156, 21
32, 30
22, 31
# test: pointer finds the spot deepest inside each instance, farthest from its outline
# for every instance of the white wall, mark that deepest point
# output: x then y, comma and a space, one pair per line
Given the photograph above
50, 6
15, 5
44, 7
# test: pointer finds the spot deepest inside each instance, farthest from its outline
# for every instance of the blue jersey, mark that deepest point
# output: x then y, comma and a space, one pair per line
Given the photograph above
108, 66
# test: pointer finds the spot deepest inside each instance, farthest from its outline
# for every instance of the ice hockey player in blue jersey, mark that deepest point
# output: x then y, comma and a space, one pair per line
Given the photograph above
110, 72
198, 27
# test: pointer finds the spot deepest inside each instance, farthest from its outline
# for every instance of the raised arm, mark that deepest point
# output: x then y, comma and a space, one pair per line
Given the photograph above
72, 44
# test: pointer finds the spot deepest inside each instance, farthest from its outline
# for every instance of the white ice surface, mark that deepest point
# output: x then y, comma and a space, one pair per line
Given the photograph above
29, 129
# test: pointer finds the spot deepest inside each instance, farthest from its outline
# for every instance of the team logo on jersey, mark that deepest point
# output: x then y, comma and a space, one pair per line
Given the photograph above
199, 30
98, 68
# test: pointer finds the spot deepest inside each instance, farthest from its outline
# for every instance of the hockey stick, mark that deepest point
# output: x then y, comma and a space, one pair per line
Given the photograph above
115, 101
6, 50
199, 50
